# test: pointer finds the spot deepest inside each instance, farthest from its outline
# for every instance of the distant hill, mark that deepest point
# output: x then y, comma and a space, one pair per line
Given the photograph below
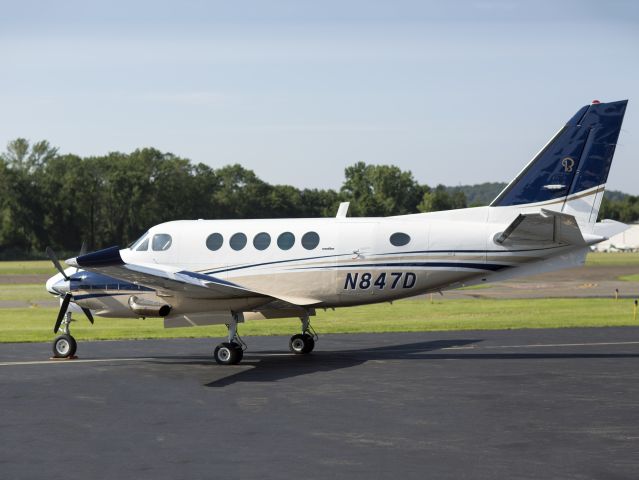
615, 195
484, 193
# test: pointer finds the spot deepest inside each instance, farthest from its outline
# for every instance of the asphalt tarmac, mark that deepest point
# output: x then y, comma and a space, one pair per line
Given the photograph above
525, 404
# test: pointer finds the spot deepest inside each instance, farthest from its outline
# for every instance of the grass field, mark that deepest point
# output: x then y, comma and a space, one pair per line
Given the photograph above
630, 278
33, 267
612, 259
31, 292
35, 324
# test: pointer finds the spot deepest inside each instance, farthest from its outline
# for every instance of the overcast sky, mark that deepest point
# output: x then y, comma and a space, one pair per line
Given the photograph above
457, 92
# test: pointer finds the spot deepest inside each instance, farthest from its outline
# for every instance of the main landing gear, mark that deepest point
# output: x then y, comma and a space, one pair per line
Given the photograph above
304, 342
231, 352
64, 346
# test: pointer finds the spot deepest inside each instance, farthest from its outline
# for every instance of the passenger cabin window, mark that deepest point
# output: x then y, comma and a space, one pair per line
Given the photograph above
144, 246
238, 241
399, 239
214, 241
261, 241
161, 242
286, 240
310, 240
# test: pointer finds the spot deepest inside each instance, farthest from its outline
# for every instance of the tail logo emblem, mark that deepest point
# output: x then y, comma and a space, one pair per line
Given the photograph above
567, 163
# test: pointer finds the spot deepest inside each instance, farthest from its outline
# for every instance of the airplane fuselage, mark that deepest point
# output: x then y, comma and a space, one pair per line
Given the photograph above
320, 262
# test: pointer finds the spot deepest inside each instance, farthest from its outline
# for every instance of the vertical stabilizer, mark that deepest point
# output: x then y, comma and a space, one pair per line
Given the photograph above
569, 174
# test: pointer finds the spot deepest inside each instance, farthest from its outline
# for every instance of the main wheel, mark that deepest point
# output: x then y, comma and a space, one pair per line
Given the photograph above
64, 346
301, 343
239, 352
228, 353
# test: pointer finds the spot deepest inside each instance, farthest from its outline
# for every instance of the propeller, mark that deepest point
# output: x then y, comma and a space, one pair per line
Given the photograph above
68, 296
88, 313
63, 310
56, 263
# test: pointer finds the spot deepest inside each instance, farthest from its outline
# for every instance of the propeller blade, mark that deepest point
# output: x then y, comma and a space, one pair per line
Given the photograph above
88, 313
56, 263
83, 251
63, 310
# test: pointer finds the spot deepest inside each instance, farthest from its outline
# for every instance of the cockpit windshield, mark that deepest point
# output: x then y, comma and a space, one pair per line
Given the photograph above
138, 243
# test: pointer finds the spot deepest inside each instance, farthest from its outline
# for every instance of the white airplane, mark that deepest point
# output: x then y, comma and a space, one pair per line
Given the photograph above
620, 247
202, 272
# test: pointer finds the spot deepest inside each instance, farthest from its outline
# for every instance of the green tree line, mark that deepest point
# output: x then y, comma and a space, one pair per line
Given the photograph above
61, 200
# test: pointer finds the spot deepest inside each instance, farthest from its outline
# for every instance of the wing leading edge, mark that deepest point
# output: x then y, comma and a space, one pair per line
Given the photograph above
183, 282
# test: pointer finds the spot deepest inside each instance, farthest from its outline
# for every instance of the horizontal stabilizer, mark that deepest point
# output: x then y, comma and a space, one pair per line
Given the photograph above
609, 228
544, 228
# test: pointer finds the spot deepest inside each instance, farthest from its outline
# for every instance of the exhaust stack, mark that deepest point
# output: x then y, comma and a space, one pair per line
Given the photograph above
148, 308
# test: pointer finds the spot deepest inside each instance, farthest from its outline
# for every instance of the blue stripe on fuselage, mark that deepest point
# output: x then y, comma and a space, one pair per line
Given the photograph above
473, 266
243, 267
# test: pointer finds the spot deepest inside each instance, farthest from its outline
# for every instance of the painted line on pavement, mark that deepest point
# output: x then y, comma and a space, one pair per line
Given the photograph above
542, 345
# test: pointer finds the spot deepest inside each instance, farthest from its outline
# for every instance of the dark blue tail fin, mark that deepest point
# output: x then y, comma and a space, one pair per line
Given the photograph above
577, 158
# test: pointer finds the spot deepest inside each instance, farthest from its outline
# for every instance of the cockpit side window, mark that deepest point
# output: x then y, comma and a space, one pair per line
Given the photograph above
161, 242
144, 246
137, 243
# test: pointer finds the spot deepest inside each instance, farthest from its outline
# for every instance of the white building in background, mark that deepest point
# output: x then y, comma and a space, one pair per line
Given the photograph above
624, 241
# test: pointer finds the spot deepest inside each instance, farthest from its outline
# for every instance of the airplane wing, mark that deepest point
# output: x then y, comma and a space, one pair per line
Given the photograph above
545, 227
183, 282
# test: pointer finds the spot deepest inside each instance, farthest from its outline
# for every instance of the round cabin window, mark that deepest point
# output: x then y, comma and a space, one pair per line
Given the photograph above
261, 241
399, 239
214, 241
238, 241
310, 240
286, 240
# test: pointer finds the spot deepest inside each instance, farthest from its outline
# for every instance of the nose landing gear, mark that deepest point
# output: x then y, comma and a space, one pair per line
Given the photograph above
64, 346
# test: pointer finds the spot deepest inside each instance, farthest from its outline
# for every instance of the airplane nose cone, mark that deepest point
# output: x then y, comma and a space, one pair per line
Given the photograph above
57, 285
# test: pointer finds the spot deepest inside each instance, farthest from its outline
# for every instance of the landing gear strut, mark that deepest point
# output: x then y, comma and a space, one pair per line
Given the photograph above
304, 342
64, 346
232, 351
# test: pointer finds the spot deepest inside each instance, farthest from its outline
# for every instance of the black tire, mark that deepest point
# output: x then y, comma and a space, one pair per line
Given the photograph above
64, 346
301, 343
228, 354
240, 353
310, 343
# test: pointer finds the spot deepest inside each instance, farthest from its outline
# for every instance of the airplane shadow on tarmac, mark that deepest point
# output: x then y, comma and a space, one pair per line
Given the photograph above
264, 366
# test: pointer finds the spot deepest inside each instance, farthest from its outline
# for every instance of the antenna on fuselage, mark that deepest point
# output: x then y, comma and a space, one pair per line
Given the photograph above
342, 210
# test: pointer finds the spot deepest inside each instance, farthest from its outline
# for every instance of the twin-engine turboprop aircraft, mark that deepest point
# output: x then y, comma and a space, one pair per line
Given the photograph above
202, 272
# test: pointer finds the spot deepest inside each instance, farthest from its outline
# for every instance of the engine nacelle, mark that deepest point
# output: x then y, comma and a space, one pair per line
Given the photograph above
148, 308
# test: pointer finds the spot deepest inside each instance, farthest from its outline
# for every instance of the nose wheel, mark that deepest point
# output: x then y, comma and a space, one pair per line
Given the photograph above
64, 346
